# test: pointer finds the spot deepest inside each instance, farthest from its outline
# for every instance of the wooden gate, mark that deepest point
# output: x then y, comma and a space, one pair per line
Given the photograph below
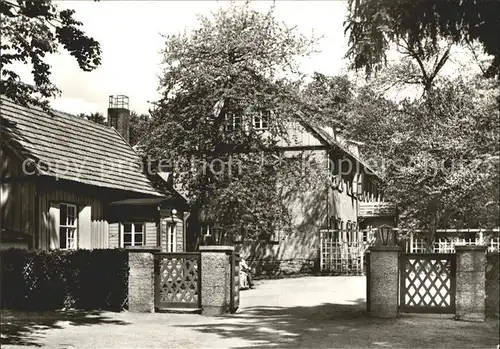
178, 280
427, 283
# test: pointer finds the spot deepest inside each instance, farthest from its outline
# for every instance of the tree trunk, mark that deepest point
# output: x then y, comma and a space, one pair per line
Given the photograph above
432, 226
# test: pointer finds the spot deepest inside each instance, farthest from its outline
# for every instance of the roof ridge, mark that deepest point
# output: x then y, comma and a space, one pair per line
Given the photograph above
75, 149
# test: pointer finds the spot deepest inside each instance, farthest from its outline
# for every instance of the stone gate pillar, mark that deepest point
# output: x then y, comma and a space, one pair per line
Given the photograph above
383, 281
215, 279
471, 283
141, 280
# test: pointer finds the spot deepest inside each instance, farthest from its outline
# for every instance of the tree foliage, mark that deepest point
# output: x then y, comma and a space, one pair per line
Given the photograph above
96, 117
327, 99
237, 64
139, 128
31, 29
373, 25
439, 154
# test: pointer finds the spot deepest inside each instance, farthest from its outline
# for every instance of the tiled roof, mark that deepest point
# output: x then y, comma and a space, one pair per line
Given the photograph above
73, 148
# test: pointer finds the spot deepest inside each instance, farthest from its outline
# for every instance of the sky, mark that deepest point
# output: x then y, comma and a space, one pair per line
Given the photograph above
130, 36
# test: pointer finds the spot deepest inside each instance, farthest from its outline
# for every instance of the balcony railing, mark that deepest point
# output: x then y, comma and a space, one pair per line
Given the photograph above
376, 209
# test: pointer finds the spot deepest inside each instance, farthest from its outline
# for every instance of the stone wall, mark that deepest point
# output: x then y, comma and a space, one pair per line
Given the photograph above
492, 284
141, 279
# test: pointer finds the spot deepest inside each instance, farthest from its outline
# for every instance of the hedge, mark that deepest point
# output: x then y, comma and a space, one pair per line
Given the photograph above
49, 280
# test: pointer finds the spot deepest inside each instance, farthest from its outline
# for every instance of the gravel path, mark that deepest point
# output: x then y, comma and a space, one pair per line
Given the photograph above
313, 312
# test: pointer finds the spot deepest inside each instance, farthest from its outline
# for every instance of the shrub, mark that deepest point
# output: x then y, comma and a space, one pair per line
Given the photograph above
82, 279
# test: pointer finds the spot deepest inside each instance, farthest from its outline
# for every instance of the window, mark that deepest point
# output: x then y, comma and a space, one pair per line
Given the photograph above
335, 178
351, 231
369, 191
67, 227
171, 238
261, 121
132, 234
365, 236
333, 223
358, 183
233, 122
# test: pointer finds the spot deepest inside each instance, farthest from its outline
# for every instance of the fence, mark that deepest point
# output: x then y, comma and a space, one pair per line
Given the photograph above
343, 251
177, 280
446, 244
180, 281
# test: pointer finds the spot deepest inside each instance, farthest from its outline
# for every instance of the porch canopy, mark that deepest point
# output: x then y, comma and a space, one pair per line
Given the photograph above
145, 208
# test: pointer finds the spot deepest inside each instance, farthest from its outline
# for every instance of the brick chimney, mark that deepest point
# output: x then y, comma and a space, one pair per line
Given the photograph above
119, 115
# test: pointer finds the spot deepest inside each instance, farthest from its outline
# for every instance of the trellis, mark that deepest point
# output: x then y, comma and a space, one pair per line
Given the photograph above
343, 251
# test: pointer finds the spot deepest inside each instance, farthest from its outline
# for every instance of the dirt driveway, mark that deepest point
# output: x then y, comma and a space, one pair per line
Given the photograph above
313, 312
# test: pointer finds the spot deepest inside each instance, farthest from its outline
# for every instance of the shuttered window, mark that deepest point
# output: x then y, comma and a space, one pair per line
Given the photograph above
68, 225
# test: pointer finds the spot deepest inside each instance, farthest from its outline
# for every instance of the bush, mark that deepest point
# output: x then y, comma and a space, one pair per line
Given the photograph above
81, 279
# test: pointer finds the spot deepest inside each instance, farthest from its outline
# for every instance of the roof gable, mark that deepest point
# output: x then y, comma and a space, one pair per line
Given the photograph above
73, 148
325, 138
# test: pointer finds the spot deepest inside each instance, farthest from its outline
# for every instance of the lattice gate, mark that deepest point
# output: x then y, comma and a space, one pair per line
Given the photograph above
178, 280
427, 282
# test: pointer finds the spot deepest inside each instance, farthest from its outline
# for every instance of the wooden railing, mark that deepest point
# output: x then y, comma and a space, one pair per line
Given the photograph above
376, 209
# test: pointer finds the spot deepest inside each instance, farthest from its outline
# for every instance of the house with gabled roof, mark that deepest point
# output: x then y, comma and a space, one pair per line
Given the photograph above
347, 200
70, 183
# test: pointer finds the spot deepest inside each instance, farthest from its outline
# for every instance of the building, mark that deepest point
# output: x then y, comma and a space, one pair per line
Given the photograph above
345, 197
70, 183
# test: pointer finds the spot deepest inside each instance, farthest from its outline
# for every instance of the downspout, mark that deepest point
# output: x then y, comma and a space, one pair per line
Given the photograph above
36, 235
158, 226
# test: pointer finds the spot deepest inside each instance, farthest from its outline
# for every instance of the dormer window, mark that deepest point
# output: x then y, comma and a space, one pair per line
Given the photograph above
261, 121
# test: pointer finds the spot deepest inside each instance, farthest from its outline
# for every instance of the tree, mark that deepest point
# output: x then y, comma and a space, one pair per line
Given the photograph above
139, 128
439, 154
31, 29
327, 99
96, 117
418, 27
220, 81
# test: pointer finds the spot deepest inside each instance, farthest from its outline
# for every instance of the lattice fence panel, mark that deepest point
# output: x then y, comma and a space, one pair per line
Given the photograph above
178, 281
342, 257
428, 283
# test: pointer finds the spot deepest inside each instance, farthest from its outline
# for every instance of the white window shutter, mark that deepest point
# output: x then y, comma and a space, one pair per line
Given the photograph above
54, 226
84, 233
